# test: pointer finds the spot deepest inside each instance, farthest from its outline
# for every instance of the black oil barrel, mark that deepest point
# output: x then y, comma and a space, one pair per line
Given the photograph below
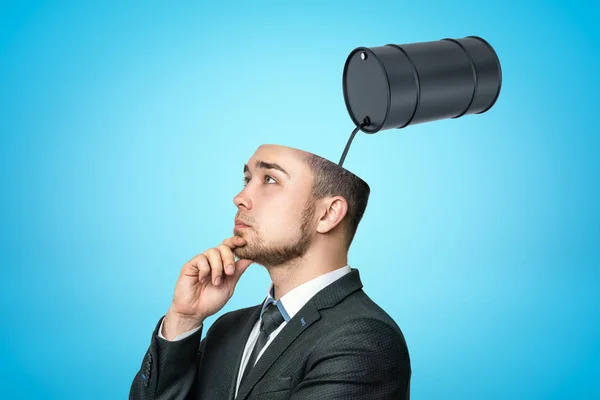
394, 86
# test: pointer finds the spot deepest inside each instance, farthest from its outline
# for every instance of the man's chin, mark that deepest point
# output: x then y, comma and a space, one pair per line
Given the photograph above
243, 253
243, 232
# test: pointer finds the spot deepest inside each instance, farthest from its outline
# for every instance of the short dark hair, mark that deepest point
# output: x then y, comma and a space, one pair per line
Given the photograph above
329, 179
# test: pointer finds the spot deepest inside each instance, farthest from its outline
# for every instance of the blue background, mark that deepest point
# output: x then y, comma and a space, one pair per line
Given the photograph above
124, 129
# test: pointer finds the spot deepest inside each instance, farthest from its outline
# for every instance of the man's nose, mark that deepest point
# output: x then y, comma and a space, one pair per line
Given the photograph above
242, 200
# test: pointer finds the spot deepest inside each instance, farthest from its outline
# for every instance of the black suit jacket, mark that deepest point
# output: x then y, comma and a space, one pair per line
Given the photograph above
340, 345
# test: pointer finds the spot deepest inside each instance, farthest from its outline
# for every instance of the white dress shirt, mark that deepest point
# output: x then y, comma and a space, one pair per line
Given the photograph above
289, 305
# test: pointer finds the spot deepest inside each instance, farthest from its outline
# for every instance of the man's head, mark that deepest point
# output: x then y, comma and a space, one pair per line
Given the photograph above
292, 198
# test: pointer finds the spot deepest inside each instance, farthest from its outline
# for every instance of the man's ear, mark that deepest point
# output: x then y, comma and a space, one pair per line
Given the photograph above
333, 211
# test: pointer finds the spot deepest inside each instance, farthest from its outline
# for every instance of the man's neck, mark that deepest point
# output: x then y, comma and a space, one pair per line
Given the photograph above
294, 273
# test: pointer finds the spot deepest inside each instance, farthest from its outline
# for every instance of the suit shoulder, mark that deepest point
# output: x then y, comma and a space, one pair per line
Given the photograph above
358, 318
364, 308
375, 335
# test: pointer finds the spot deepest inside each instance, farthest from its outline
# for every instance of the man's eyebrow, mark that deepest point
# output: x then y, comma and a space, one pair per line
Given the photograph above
267, 165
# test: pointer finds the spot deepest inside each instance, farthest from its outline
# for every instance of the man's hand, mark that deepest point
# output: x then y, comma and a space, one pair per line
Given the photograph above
204, 286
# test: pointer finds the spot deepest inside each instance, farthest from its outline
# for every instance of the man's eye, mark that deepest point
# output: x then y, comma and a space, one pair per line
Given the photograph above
246, 179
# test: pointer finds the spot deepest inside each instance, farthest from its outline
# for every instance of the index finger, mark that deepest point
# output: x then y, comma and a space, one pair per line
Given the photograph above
234, 241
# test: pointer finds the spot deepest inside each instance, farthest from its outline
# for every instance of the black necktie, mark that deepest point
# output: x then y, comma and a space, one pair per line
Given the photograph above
271, 319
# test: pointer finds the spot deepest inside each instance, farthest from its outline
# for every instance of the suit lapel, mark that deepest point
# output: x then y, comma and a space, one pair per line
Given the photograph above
306, 316
288, 334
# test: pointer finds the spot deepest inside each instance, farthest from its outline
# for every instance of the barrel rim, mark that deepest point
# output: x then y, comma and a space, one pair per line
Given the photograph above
485, 42
345, 92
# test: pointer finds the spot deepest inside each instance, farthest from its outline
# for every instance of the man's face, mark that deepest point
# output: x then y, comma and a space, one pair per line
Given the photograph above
276, 205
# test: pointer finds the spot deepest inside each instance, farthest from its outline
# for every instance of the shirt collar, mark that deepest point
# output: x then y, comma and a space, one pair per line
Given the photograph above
295, 299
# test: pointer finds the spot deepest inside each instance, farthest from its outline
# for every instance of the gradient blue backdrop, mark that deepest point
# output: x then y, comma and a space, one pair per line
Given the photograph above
124, 129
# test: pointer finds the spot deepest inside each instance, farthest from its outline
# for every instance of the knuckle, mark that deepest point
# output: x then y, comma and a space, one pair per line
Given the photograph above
204, 267
199, 259
202, 261
211, 252
225, 250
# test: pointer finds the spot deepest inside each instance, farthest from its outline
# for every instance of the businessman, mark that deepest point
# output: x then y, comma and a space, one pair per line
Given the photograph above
316, 335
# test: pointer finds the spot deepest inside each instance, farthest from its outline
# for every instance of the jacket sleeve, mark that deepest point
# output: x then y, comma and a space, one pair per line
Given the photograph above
362, 359
169, 368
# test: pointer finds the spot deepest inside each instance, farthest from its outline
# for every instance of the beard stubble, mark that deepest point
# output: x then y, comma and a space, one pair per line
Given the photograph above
272, 254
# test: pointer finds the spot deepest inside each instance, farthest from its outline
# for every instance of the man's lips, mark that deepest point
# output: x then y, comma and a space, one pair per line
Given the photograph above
240, 224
